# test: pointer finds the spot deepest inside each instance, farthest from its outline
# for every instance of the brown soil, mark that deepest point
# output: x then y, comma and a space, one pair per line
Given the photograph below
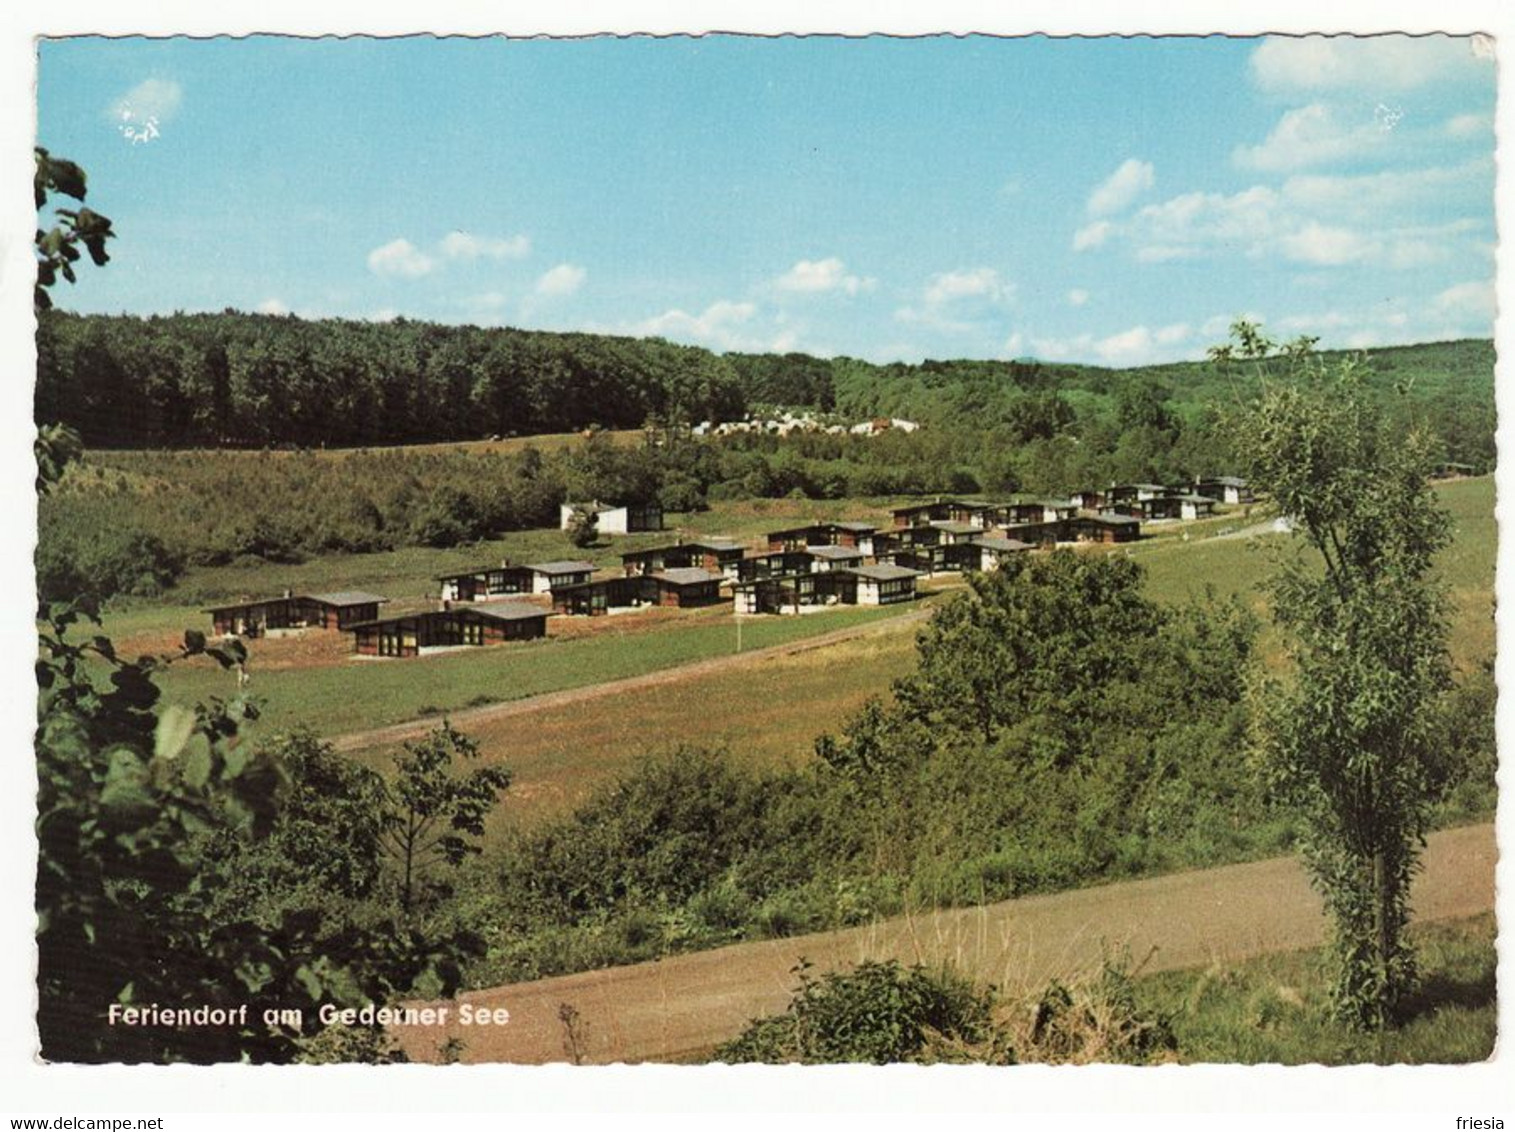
675, 1009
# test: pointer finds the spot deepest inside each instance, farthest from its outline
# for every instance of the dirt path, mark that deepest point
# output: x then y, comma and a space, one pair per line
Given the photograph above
676, 1007
415, 729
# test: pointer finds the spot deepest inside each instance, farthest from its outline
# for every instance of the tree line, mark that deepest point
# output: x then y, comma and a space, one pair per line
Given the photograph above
251, 381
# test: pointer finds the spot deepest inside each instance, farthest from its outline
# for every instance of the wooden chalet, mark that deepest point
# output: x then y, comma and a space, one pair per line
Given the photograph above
687, 587
793, 593
1225, 489
827, 558
884, 584
945, 510
1186, 505
789, 593
718, 555
985, 553
545, 576
596, 598
487, 583
340, 610
848, 533
1034, 511
774, 563
408, 634
1106, 527
1119, 493
952, 531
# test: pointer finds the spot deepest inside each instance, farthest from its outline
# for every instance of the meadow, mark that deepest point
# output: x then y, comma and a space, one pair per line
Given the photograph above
768, 714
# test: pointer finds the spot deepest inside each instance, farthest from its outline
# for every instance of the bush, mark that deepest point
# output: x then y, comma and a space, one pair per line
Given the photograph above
877, 1012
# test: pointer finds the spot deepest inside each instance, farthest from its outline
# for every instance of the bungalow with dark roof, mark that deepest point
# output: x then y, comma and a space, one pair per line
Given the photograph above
1177, 506
824, 558
773, 563
596, 598
1120, 493
486, 583
788, 593
687, 587
547, 575
986, 553
1225, 489
339, 610
715, 554
884, 584
409, 634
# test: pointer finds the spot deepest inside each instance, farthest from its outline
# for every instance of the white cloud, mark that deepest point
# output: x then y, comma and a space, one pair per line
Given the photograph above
1364, 64
1180, 228
273, 306
1092, 235
564, 279
1468, 125
953, 302
157, 99
1121, 189
1327, 247
467, 246
383, 314
810, 276
1392, 191
401, 259
721, 324
1468, 303
1077, 297
976, 282
1312, 135
1134, 346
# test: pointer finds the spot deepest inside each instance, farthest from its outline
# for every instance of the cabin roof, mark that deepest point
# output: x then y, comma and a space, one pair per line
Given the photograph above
884, 572
837, 552
994, 542
567, 566
686, 576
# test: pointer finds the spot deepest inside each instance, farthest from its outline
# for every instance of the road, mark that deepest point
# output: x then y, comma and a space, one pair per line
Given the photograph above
419, 728
678, 1007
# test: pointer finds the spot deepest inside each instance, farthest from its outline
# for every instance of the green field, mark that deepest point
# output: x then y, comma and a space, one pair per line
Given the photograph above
350, 695
361, 694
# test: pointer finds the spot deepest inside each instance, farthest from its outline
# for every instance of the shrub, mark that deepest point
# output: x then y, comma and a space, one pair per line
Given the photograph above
877, 1012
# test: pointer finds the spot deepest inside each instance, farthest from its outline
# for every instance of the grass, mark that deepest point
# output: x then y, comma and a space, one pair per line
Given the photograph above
769, 714
1274, 1009
361, 694
1180, 572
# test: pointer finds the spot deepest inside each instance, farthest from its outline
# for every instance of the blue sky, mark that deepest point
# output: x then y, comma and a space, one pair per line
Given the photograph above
1115, 201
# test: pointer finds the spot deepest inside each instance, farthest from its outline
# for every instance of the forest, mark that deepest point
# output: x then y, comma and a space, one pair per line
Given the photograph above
251, 381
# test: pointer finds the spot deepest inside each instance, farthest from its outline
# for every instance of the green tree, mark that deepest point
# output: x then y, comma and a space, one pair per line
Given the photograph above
433, 815
1352, 739
58, 247
583, 526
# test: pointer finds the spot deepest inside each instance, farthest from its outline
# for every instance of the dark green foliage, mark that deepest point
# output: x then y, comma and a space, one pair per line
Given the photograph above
252, 380
179, 866
877, 1012
57, 248
583, 526
1353, 742
432, 814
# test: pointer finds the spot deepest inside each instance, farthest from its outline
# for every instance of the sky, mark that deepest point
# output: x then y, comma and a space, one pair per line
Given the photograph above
1115, 201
